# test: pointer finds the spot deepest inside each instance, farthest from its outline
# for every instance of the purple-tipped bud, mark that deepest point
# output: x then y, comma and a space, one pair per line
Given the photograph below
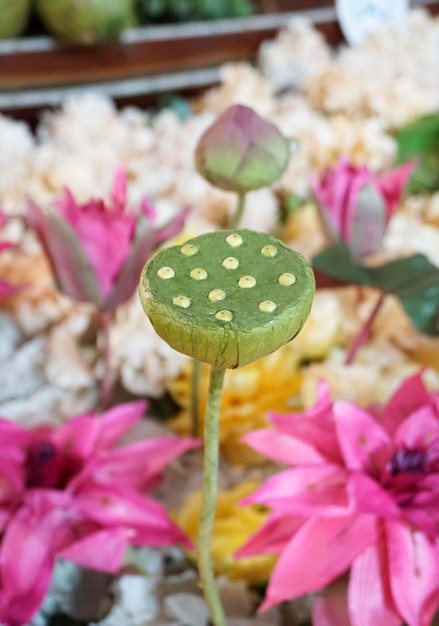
356, 206
241, 151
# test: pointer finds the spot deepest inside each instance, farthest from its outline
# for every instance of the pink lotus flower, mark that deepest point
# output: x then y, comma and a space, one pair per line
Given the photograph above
97, 250
70, 494
6, 289
356, 206
362, 492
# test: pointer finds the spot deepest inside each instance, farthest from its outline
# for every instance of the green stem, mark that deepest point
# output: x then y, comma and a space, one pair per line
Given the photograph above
210, 488
107, 380
195, 397
234, 222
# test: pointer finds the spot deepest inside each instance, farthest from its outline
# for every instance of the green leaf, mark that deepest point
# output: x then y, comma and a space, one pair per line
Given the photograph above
420, 140
413, 280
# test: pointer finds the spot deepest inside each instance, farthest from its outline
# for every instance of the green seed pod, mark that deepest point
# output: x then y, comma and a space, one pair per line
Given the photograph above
86, 21
229, 297
14, 15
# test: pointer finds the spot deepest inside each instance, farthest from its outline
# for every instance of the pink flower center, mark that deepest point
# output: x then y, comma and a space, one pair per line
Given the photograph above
405, 474
407, 462
47, 467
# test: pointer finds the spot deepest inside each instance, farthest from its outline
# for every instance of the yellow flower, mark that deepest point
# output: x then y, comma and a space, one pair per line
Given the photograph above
269, 384
233, 526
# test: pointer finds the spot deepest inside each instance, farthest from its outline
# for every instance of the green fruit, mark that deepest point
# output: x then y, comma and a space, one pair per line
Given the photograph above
14, 15
86, 21
229, 297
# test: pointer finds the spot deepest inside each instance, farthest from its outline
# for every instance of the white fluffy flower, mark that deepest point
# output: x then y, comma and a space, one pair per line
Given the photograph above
143, 360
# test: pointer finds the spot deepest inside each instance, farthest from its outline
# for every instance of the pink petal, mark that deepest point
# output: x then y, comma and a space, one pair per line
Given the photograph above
419, 430
392, 184
68, 207
304, 491
139, 465
102, 550
85, 435
282, 448
414, 572
360, 178
272, 537
114, 507
320, 412
370, 598
368, 222
363, 442
26, 562
7, 289
106, 238
410, 396
330, 608
145, 241
319, 552
148, 210
119, 191
64, 250
369, 497
6, 245
117, 421
337, 194
315, 427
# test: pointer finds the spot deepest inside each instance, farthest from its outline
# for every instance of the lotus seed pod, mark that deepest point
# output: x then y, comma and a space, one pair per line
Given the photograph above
227, 314
241, 151
86, 21
14, 15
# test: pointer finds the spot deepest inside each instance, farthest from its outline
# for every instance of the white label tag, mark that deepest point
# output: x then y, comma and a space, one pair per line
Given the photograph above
361, 18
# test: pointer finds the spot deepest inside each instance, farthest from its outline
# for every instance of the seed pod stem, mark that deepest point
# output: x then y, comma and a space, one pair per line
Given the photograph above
210, 488
236, 218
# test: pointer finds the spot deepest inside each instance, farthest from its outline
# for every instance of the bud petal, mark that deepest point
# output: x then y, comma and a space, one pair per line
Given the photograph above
368, 223
70, 266
241, 151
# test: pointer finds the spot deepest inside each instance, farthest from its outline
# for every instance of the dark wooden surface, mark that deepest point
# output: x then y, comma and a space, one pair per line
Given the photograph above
39, 72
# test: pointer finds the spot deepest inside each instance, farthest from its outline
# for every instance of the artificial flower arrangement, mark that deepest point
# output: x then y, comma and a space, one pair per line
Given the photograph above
353, 519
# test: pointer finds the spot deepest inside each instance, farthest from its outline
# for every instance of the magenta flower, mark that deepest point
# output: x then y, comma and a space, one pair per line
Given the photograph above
6, 289
70, 493
97, 250
356, 206
362, 492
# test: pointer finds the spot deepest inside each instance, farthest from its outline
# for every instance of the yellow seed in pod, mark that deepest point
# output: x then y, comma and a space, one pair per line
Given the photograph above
286, 279
224, 315
230, 263
216, 295
267, 306
182, 301
234, 240
189, 249
198, 273
247, 282
166, 272
269, 251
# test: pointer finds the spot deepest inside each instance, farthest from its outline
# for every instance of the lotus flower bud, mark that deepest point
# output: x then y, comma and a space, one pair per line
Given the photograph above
241, 151
86, 21
13, 17
229, 297
97, 250
356, 206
